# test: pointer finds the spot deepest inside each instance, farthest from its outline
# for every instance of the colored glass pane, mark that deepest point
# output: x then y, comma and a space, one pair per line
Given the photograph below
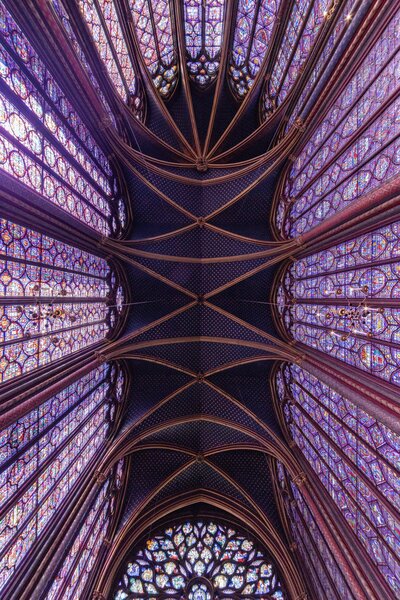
339, 302
62, 299
43, 456
210, 556
102, 19
154, 32
204, 25
356, 459
255, 22
325, 574
355, 146
305, 22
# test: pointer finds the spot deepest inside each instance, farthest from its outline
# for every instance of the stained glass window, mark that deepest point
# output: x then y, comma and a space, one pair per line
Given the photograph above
212, 557
325, 575
71, 580
154, 32
356, 459
305, 22
356, 146
255, 21
204, 25
65, 22
341, 301
43, 457
101, 17
53, 299
43, 142
347, 12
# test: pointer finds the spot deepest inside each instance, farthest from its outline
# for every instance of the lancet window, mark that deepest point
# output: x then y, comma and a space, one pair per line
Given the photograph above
204, 29
43, 142
102, 19
155, 36
326, 577
73, 576
53, 299
355, 147
305, 22
355, 458
342, 301
255, 22
43, 458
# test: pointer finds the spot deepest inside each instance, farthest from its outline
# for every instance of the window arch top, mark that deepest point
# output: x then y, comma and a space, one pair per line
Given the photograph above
200, 558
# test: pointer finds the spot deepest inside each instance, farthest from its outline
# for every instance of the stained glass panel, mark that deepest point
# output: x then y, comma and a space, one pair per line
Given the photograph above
325, 574
53, 299
43, 456
355, 147
255, 21
44, 143
154, 32
71, 579
209, 555
204, 28
356, 459
101, 17
340, 301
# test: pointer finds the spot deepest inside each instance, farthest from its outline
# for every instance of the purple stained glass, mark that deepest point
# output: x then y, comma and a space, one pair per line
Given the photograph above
111, 45
255, 23
326, 576
356, 145
44, 143
154, 32
225, 560
71, 579
356, 459
339, 302
62, 299
43, 455
204, 28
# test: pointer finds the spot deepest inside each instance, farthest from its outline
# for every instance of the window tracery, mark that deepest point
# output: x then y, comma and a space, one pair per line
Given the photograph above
355, 458
203, 558
354, 148
44, 456
53, 299
101, 17
340, 301
305, 22
155, 36
44, 143
255, 21
204, 30
72, 578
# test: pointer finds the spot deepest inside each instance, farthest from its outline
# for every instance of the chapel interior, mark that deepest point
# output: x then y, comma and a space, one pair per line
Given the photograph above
199, 299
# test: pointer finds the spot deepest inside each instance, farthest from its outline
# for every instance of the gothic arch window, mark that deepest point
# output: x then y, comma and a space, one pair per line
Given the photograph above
102, 19
54, 299
340, 302
203, 559
153, 24
325, 574
44, 457
354, 456
204, 30
65, 22
70, 582
44, 143
355, 147
346, 13
305, 22
255, 22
